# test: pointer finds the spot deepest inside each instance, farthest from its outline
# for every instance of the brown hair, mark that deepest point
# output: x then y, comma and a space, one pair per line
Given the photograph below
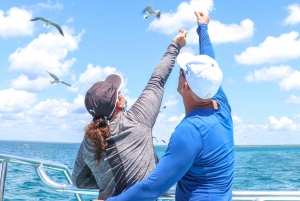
97, 131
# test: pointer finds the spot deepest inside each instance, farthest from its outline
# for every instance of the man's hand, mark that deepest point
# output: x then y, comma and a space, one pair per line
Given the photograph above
202, 18
181, 38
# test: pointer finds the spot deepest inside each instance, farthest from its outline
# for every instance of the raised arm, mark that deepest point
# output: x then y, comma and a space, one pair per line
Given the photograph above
205, 45
147, 106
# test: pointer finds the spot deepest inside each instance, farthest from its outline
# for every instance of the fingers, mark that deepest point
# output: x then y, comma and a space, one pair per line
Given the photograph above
183, 32
197, 14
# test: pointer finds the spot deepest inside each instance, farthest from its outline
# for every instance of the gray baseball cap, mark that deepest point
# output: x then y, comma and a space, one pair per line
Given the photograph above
101, 98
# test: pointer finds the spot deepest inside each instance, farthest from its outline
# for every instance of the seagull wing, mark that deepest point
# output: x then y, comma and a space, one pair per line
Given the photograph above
155, 138
40, 18
53, 76
158, 15
58, 27
145, 10
65, 83
163, 141
150, 9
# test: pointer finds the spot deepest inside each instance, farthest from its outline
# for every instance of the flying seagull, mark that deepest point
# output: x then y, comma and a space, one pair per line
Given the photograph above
150, 12
162, 108
159, 140
49, 22
56, 80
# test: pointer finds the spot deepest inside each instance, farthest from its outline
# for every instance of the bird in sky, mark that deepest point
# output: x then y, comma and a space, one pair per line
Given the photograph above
56, 80
164, 107
49, 22
150, 12
158, 140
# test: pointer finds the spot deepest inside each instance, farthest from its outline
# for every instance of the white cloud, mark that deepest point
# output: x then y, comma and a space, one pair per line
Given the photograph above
288, 77
176, 119
47, 52
183, 18
15, 101
291, 82
49, 6
293, 99
284, 123
224, 33
95, 74
15, 22
272, 50
78, 104
171, 102
164, 127
272, 73
49, 120
51, 107
296, 116
275, 132
23, 83
294, 15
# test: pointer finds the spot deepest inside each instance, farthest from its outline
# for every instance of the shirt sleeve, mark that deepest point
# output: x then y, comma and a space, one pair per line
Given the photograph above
177, 160
205, 45
147, 106
82, 176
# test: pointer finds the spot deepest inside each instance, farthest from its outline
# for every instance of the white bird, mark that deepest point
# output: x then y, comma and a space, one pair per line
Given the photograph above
56, 80
49, 22
158, 140
150, 12
162, 108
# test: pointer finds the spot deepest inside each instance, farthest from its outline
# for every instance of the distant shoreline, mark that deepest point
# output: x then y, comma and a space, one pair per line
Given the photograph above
23, 141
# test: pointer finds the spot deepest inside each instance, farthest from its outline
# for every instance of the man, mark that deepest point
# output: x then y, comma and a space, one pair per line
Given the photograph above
117, 149
200, 154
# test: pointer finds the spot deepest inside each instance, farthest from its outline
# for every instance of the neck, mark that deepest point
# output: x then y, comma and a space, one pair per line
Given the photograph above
190, 104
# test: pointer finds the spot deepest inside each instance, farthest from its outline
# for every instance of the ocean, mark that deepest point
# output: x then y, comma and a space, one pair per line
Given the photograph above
256, 168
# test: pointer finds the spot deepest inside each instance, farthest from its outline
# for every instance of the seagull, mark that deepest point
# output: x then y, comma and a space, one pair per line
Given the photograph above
49, 22
159, 140
162, 108
56, 80
150, 12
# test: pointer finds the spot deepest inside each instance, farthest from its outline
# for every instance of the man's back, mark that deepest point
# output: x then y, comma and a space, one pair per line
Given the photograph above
210, 136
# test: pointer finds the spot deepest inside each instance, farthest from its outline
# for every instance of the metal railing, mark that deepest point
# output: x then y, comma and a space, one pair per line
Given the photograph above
40, 164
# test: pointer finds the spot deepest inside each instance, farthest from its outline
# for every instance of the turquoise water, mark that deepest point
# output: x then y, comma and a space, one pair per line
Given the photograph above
256, 168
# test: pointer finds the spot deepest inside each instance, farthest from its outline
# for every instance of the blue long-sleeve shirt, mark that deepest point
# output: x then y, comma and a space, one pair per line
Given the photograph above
200, 154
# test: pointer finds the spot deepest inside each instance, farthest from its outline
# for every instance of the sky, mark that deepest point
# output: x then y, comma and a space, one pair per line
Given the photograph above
257, 46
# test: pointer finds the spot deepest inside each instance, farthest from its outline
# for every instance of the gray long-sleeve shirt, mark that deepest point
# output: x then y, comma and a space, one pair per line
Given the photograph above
129, 156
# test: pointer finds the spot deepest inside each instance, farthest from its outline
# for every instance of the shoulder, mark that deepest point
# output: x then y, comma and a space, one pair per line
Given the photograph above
187, 130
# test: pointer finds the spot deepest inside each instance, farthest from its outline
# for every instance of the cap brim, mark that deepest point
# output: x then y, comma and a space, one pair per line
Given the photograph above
184, 58
116, 79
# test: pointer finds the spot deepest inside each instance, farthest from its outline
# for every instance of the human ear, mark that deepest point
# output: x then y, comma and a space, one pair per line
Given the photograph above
184, 87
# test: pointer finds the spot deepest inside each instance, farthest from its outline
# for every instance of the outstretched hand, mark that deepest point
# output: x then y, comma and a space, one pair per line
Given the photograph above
202, 18
181, 38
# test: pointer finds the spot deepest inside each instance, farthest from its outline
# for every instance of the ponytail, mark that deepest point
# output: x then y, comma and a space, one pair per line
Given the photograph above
98, 131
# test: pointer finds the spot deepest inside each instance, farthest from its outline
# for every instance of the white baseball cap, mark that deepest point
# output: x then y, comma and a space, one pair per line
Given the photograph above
202, 74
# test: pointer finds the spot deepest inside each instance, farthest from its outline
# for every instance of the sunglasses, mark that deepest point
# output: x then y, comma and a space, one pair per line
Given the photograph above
181, 72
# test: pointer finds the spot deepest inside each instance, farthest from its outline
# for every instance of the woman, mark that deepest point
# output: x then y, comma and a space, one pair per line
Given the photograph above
117, 149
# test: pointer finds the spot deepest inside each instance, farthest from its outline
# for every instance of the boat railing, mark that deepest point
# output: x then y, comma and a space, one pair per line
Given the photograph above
40, 166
